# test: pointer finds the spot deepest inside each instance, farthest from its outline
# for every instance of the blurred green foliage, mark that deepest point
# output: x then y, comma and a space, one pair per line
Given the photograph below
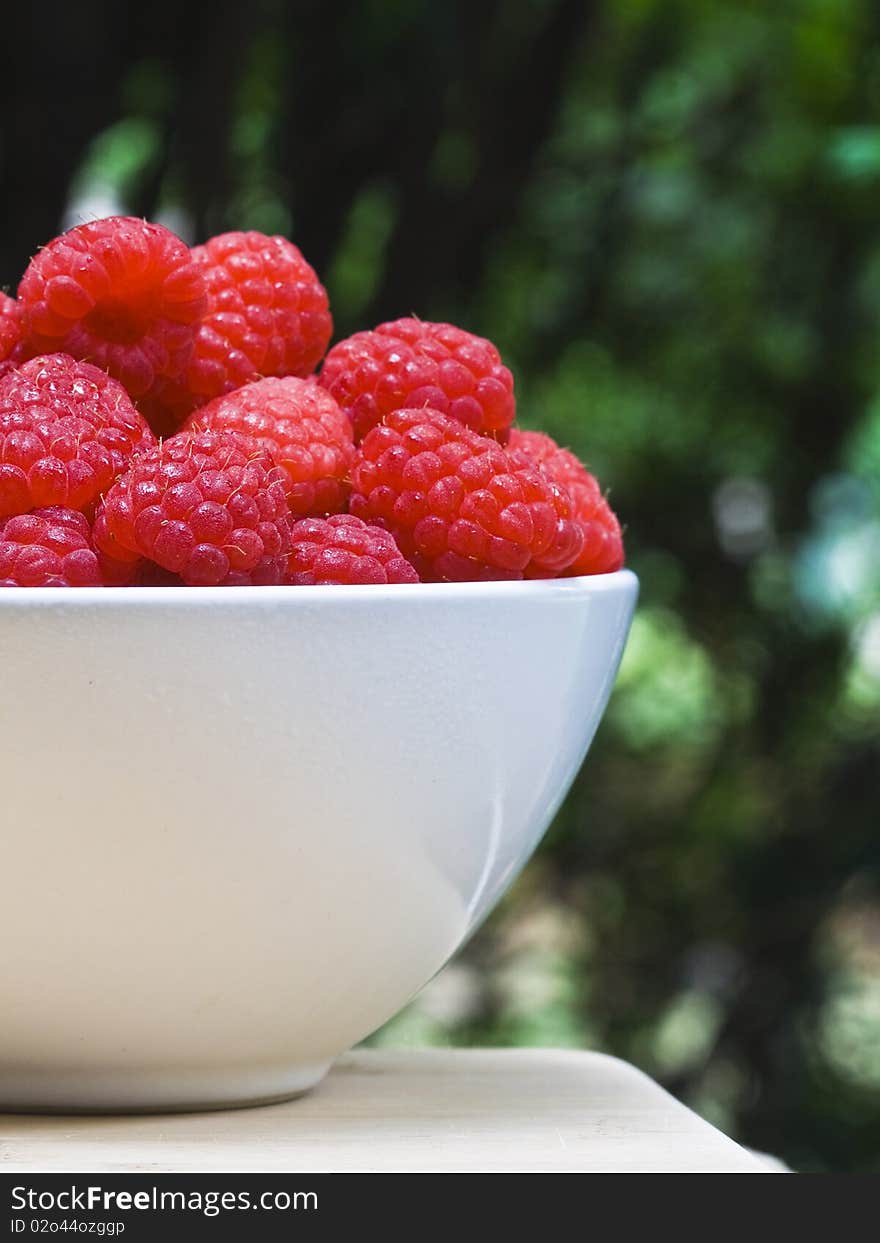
665, 212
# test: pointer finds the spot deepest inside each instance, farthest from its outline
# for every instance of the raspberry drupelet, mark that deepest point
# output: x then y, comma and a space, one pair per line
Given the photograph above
209, 506
267, 315
342, 549
459, 506
410, 363
602, 550
66, 431
48, 548
121, 293
303, 429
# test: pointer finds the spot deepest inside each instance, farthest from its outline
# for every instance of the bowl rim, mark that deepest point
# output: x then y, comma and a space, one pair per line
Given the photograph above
619, 582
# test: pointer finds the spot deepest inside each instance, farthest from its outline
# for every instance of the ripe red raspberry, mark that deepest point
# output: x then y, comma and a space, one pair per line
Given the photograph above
301, 427
343, 549
66, 431
460, 506
603, 543
267, 315
408, 364
48, 548
10, 326
121, 293
209, 506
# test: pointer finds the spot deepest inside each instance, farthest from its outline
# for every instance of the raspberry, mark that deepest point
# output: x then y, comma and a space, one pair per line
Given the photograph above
460, 506
343, 549
66, 431
10, 327
267, 315
48, 548
603, 543
301, 427
209, 506
408, 364
121, 293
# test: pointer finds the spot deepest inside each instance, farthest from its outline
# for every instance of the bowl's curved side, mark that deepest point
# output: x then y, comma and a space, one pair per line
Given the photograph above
238, 835
554, 706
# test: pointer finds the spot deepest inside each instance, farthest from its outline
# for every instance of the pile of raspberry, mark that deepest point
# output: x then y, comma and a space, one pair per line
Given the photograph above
172, 416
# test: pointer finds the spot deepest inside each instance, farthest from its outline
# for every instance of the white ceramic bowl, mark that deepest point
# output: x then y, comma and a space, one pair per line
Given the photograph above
240, 828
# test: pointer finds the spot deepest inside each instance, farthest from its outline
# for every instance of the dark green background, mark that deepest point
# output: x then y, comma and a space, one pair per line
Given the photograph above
665, 212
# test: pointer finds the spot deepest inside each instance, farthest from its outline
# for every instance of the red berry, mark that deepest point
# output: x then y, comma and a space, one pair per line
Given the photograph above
409, 364
66, 431
209, 506
121, 293
343, 549
10, 328
267, 315
301, 427
48, 548
602, 551
460, 506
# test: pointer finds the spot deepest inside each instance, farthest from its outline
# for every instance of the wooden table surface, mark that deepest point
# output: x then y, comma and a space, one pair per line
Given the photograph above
427, 1110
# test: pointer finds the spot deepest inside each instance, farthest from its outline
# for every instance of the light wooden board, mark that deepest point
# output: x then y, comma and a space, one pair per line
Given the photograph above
427, 1110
